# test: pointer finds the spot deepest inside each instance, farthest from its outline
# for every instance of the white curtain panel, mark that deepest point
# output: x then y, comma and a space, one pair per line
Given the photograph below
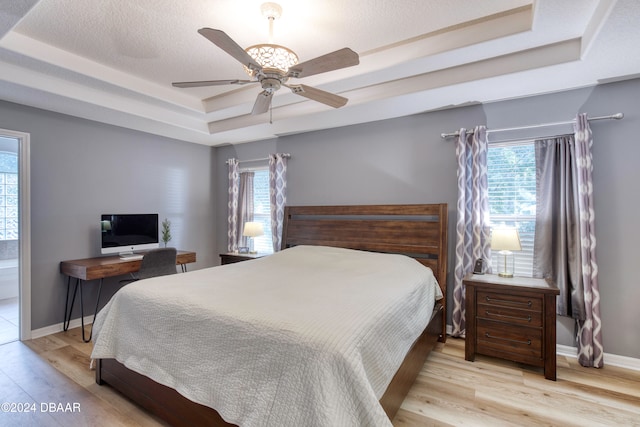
277, 195
472, 225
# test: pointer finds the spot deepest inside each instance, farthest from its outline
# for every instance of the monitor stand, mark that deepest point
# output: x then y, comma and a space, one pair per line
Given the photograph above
129, 256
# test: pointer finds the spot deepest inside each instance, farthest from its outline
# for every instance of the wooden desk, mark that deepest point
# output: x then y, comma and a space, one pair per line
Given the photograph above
100, 268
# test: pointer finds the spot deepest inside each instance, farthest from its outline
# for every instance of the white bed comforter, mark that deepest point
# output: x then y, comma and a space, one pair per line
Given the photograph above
309, 336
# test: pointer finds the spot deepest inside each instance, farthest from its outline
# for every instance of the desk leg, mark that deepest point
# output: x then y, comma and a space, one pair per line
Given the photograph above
183, 267
95, 312
67, 314
82, 313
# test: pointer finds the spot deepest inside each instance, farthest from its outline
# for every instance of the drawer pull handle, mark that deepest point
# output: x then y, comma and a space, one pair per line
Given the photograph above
528, 303
528, 318
488, 335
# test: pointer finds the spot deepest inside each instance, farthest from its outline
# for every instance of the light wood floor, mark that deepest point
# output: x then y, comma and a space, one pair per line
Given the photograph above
448, 392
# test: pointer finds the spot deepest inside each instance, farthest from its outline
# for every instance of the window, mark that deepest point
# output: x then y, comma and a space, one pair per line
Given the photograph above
262, 210
8, 196
511, 172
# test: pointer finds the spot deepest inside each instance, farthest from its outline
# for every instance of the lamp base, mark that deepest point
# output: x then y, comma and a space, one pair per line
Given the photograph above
506, 265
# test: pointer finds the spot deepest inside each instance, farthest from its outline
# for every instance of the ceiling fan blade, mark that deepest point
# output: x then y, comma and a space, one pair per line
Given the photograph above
328, 98
226, 43
331, 61
212, 83
263, 102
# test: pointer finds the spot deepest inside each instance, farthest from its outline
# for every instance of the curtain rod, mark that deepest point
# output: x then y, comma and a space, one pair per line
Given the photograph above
616, 116
288, 156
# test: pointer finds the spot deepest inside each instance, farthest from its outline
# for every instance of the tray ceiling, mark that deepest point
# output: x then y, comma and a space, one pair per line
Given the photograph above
114, 60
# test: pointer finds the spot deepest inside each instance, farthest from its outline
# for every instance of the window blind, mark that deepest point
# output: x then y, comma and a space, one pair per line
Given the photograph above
511, 172
262, 210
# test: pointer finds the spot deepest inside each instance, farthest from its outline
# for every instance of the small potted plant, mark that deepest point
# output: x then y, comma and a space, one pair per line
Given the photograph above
166, 231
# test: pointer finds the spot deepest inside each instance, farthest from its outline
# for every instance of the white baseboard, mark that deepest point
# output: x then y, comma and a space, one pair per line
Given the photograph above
609, 359
449, 329
59, 327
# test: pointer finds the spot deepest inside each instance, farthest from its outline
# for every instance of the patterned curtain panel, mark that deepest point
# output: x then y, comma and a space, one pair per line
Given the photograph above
277, 195
590, 348
232, 205
245, 206
472, 225
565, 243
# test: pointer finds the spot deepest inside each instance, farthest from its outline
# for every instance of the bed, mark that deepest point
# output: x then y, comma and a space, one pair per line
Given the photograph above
419, 231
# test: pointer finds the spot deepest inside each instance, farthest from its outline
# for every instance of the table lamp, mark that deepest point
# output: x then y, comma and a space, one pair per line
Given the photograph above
505, 240
251, 230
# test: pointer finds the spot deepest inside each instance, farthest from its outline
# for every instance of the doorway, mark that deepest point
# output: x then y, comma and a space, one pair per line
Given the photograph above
15, 285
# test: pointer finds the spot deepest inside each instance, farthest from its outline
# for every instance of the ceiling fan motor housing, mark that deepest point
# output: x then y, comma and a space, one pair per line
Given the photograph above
271, 84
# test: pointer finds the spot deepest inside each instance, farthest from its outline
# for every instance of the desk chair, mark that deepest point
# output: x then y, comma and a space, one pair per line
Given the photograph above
156, 262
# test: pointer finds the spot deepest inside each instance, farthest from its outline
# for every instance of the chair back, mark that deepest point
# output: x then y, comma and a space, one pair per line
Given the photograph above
157, 262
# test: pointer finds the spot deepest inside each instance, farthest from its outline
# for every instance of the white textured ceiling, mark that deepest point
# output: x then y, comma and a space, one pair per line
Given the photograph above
114, 60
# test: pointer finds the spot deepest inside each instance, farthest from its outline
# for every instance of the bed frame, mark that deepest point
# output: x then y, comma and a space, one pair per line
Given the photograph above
419, 231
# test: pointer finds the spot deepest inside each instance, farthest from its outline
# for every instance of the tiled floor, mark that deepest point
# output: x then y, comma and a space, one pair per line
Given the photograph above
9, 313
9, 320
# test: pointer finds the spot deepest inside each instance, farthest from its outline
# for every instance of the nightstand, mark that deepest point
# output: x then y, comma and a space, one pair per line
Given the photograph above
511, 318
231, 257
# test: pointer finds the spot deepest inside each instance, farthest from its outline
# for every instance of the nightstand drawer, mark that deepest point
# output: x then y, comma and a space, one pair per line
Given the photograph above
492, 336
526, 302
510, 315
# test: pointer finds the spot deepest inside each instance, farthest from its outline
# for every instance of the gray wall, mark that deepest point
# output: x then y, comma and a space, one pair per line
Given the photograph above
405, 161
80, 169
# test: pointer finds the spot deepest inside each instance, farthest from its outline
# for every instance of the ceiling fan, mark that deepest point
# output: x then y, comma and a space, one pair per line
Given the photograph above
272, 66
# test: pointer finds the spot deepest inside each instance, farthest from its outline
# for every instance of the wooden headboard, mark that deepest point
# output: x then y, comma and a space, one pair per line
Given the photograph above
419, 231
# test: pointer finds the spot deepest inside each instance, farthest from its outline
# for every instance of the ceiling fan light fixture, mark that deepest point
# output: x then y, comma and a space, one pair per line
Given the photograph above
272, 66
272, 58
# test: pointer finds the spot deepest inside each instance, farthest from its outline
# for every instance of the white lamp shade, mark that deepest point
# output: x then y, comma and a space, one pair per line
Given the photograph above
253, 229
505, 239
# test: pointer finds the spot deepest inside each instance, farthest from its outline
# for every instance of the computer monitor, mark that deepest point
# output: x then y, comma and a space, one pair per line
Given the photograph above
127, 233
